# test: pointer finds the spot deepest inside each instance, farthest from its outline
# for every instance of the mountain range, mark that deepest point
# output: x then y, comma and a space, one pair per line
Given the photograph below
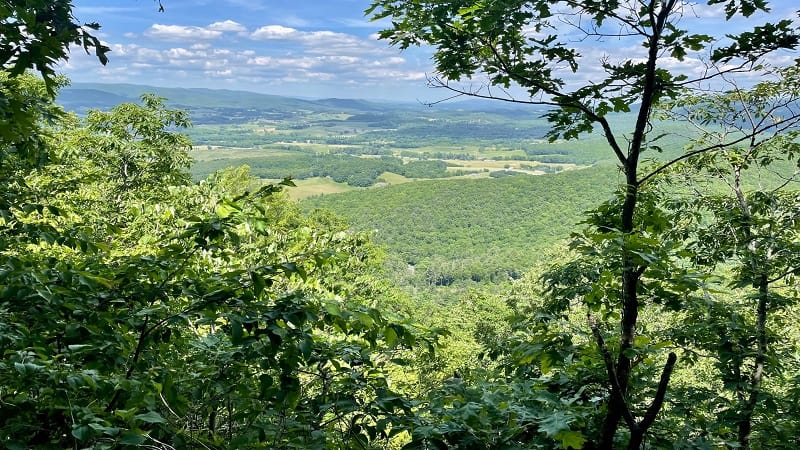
206, 104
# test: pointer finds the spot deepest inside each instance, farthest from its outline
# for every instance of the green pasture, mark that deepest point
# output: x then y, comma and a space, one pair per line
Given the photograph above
213, 152
316, 186
389, 178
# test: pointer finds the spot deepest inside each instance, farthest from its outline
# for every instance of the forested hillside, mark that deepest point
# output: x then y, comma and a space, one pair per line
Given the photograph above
479, 230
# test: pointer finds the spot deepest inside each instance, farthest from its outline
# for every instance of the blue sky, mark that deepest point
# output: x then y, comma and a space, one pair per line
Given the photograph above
301, 48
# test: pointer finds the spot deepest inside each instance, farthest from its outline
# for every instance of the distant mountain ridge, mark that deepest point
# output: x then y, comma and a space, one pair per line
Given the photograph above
80, 97
206, 103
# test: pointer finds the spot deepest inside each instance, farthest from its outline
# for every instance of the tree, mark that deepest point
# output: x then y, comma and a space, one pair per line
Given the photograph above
133, 147
516, 46
35, 36
748, 233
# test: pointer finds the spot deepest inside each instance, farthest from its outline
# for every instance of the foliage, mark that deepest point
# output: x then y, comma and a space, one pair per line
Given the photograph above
132, 150
194, 315
137, 309
353, 170
300, 128
23, 109
37, 35
748, 238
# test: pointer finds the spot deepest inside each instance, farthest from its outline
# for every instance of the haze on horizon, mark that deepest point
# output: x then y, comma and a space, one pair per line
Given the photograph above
306, 49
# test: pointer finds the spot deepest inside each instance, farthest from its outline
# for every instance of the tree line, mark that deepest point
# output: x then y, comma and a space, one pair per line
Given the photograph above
357, 171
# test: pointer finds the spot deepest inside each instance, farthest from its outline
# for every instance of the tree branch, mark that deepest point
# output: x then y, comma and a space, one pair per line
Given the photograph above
777, 127
616, 390
658, 400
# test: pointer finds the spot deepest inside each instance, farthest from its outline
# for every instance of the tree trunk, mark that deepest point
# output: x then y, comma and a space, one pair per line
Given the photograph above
746, 420
631, 274
629, 317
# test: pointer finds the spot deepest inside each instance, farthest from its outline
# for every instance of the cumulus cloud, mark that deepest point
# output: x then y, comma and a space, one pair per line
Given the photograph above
227, 25
284, 63
181, 33
269, 55
274, 32
322, 42
330, 42
211, 60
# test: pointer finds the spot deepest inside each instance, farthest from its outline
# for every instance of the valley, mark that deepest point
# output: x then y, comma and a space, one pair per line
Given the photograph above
460, 195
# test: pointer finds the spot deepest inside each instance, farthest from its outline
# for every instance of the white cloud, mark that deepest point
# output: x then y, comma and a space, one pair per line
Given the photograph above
295, 21
328, 42
382, 73
174, 53
224, 63
227, 25
181, 33
226, 73
272, 55
275, 32
320, 76
285, 63
322, 42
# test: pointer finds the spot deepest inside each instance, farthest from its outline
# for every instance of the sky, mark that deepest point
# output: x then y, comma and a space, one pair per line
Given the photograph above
300, 48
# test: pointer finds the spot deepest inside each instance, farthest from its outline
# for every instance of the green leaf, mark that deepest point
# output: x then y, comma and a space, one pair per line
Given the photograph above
259, 283
92, 280
237, 332
82, 432
333, 309
225, 209
555, 423
305, 347
76, 347
150, 417
390, 335
620, 105
28, 368
109, 431
132, 438
571, 439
